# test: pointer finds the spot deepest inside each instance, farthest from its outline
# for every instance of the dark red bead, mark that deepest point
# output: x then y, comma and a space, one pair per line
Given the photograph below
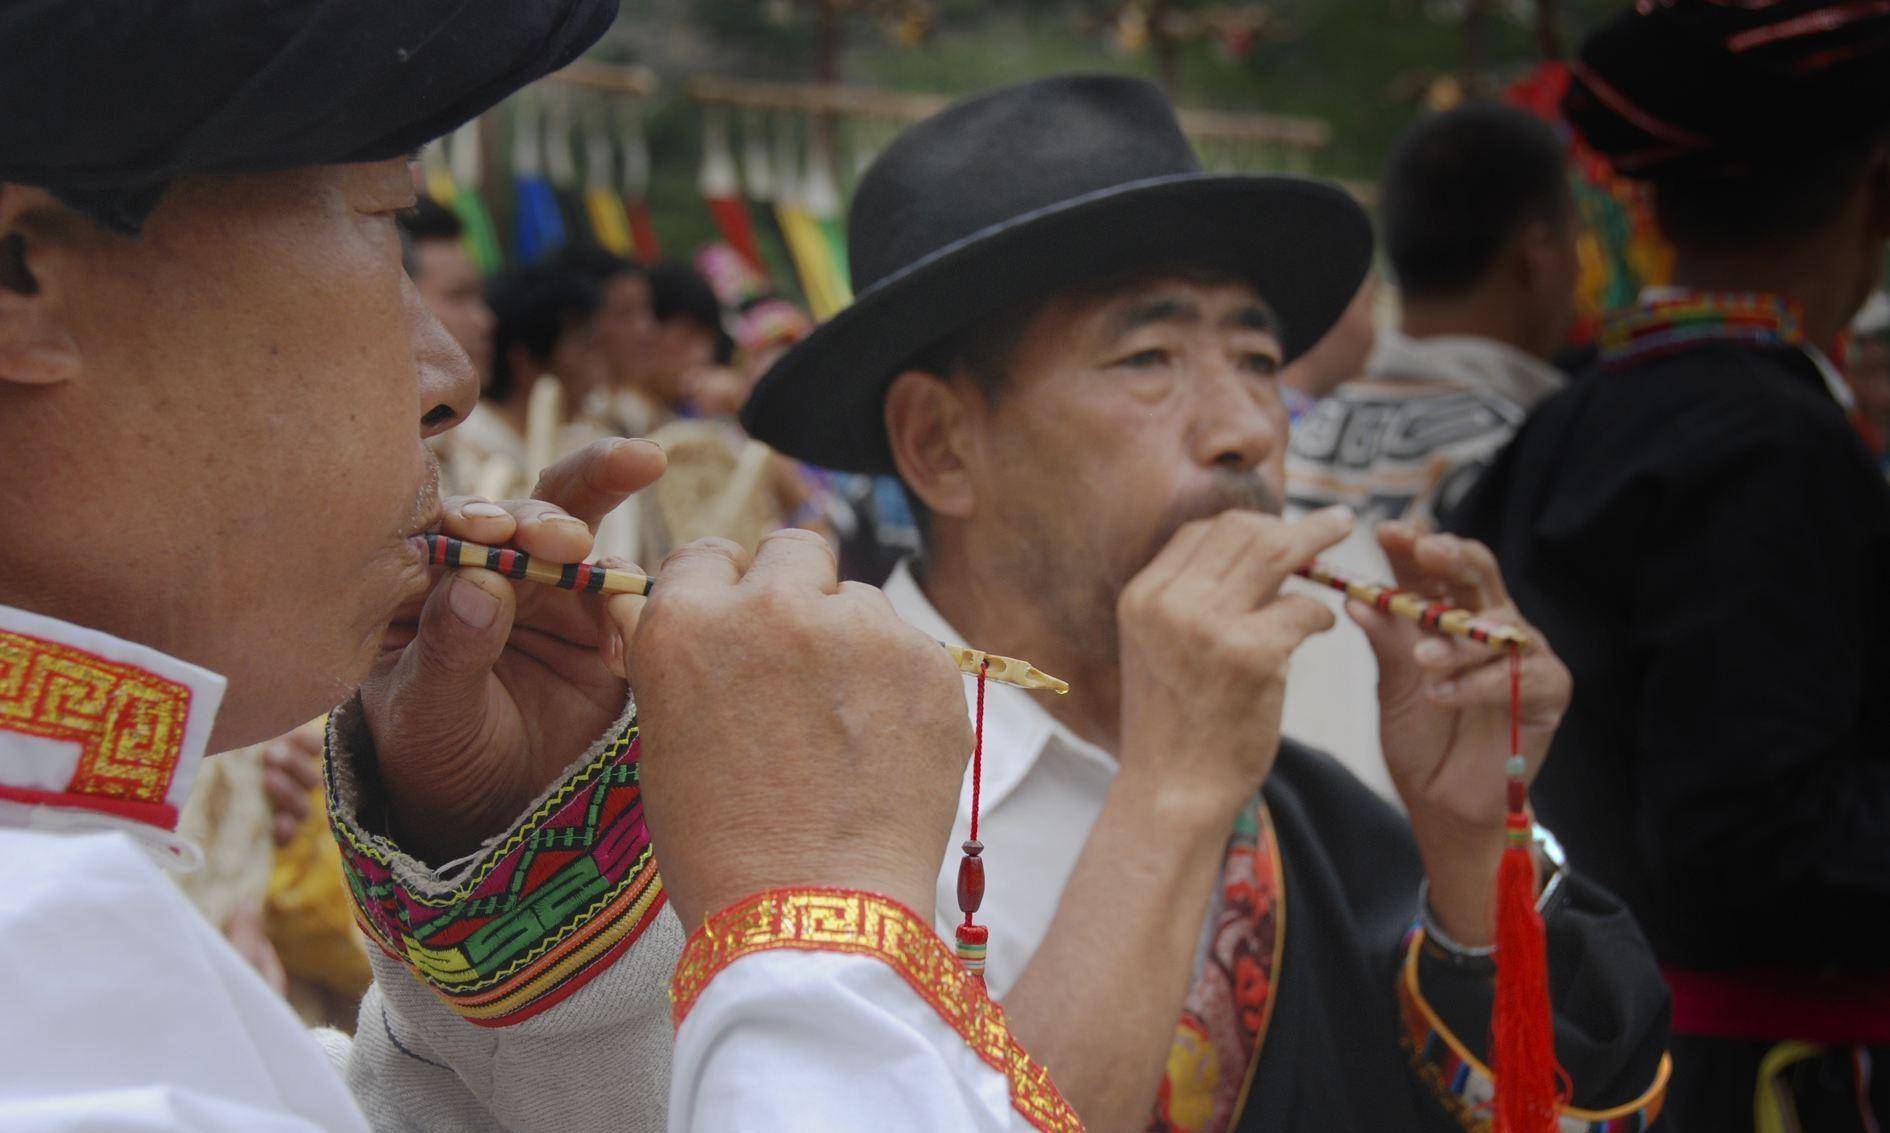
970, 882
1518, 795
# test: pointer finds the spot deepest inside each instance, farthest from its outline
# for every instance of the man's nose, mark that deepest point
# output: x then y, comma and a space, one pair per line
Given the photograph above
449, 387
1239, 420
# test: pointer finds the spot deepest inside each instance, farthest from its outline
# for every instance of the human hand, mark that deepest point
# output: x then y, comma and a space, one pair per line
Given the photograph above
1206, 636
795, 731
292, 770
484, 692
1444, 717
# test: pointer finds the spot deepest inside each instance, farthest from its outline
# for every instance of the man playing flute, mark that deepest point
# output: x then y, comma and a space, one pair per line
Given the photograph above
1065, 344
215, 387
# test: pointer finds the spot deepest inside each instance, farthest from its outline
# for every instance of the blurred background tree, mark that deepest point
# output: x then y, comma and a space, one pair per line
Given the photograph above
1365, 67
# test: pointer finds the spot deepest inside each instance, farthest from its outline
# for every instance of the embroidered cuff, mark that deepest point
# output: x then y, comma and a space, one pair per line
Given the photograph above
866, 924
533, 915
1464, 1086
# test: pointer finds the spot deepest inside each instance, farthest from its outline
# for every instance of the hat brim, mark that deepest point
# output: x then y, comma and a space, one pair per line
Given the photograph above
1303, 245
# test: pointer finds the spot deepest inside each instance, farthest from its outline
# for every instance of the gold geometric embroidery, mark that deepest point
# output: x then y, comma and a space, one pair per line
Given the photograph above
129, 722
866, 924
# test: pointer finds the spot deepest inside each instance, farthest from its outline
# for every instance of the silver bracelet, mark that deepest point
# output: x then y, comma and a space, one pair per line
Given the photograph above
1433, 932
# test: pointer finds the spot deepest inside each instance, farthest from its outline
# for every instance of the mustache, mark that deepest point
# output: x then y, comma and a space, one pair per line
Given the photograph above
1230, 491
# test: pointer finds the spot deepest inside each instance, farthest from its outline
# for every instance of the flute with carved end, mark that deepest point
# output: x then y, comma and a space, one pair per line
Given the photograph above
445, 551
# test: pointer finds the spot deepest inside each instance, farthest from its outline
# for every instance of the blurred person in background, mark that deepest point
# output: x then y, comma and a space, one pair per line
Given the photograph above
626, 335
1699, 526
448, 279
546, 358
690, 338
1479, 225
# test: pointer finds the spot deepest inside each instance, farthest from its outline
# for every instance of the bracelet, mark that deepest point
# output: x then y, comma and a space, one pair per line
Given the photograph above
1551, 849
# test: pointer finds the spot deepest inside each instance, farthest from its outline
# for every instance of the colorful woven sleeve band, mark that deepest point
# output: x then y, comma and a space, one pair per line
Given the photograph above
866, 924
1463, 1084
536, 915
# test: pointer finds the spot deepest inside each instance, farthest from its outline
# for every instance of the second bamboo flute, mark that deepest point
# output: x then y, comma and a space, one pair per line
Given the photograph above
1434, 616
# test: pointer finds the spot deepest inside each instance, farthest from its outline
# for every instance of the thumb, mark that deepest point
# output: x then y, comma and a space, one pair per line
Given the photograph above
440, 679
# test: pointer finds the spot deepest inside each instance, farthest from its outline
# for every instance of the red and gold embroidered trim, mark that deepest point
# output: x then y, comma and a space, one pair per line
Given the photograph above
866, 924
128, 721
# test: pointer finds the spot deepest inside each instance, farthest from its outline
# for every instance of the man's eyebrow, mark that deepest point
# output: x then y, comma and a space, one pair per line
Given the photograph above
1142, 313
1251, 317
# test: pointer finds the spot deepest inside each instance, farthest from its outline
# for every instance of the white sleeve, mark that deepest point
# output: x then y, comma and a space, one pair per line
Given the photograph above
785, 1041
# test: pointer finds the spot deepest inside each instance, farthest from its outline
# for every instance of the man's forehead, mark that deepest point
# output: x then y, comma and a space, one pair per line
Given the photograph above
1170, 295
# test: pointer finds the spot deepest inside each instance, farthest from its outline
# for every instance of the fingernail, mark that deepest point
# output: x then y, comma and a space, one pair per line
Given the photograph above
482, 510
642, 441
1444, 690
571, 521
472, 605
1431, 649
1337, 513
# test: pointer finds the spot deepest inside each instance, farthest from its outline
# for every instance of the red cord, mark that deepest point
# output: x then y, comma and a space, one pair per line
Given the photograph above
1515, 700
977, 753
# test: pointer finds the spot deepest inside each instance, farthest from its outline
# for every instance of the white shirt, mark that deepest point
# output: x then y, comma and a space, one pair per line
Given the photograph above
123, 1009
1043, 788
822, 1042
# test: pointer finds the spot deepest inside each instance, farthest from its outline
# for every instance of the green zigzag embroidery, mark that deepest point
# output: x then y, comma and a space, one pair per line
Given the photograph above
381, 851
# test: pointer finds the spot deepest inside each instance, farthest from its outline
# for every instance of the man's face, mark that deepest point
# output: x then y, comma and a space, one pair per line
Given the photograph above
1125, 415
449, 282
233, 469
626, 330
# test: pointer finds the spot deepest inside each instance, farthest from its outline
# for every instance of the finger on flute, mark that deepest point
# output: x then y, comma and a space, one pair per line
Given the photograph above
1430, 615
446, 551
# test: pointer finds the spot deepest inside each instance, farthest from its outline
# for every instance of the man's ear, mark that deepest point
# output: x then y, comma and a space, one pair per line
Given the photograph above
36, 346
1539, 255
924, 419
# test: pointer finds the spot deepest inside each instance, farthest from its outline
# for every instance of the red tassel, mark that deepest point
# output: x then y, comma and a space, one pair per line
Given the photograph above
1528, 1090
1530, 1085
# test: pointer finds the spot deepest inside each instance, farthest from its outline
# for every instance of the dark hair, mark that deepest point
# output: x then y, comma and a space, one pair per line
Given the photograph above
1717, 207
1459, 185
428, 219
678, 291
600, 265
534, 306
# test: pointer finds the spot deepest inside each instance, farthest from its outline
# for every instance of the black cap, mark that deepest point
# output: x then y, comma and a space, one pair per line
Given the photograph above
103, 102
1707, 83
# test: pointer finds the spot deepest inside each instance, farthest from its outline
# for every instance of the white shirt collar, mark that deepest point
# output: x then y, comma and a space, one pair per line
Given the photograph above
96, 730
1017, 729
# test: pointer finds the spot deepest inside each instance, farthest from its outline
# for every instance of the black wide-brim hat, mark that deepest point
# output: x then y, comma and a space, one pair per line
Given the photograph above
1004, 198
1707, 85
105, 102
